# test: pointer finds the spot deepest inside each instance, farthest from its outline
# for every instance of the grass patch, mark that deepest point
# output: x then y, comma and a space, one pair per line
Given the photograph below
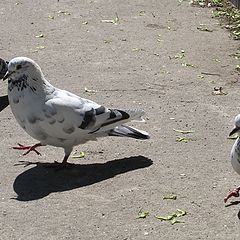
226, 12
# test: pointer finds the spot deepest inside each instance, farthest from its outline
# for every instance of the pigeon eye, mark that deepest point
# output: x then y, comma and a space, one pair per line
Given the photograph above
18, 67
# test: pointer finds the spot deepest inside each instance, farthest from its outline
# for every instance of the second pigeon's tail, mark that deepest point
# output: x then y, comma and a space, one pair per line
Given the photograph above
126, 131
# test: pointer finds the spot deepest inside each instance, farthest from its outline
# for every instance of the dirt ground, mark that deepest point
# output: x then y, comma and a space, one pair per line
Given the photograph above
129, 62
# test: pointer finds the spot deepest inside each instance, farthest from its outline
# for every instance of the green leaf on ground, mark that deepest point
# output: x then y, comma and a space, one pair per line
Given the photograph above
164, 218
80, 155
183, 131
173, 217
172, 197
114, 21
180, 212
179, 56
175, 220
142, 214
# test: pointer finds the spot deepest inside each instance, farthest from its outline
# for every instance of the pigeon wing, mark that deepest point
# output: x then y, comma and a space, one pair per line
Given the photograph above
74, 113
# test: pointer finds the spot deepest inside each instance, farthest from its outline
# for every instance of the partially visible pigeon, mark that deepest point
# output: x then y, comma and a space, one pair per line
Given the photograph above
235, 156
3, 69
59, 118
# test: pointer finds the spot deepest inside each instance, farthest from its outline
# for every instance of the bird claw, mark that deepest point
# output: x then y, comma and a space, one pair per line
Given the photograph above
29, 148
233, 193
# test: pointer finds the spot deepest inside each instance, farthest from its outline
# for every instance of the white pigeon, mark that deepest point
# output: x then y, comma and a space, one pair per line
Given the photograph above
235, 156
57, 117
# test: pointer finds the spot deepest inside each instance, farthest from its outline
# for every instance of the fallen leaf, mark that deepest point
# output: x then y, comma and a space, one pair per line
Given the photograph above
180, 212
173, 197
183, 131
81, 155
175, 220
142, 214
114, 21
166, 218
173, 217
179, 56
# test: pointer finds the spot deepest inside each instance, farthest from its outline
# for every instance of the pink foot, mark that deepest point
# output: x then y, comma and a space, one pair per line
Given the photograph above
233, 193
29, 148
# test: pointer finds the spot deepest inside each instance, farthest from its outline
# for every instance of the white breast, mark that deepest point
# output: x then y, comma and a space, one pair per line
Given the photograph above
235, 156
25, 106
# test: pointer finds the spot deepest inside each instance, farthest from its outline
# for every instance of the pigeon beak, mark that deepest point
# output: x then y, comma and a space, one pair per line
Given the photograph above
7, 75
235, 130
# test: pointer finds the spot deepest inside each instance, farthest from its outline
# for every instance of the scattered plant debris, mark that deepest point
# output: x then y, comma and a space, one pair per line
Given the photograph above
171, 196
173, 217
142, 214
183, 131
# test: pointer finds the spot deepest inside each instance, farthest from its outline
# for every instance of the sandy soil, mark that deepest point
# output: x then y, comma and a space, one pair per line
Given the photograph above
129, 64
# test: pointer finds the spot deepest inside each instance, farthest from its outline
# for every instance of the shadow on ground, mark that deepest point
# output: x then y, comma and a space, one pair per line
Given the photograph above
40, 181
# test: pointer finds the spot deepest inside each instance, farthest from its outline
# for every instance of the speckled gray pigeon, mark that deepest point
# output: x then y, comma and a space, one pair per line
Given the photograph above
59, 118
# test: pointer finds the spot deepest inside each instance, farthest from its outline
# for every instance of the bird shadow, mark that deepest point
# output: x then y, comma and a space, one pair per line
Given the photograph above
41, 180
233, 203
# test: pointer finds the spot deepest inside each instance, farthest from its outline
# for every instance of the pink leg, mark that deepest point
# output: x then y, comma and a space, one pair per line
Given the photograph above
233, 193
29, 148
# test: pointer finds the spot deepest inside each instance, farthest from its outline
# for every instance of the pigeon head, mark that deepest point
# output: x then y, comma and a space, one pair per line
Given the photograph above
20, 66
237, 126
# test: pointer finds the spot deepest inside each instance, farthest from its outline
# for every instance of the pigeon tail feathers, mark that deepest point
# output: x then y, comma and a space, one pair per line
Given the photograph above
126, 131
